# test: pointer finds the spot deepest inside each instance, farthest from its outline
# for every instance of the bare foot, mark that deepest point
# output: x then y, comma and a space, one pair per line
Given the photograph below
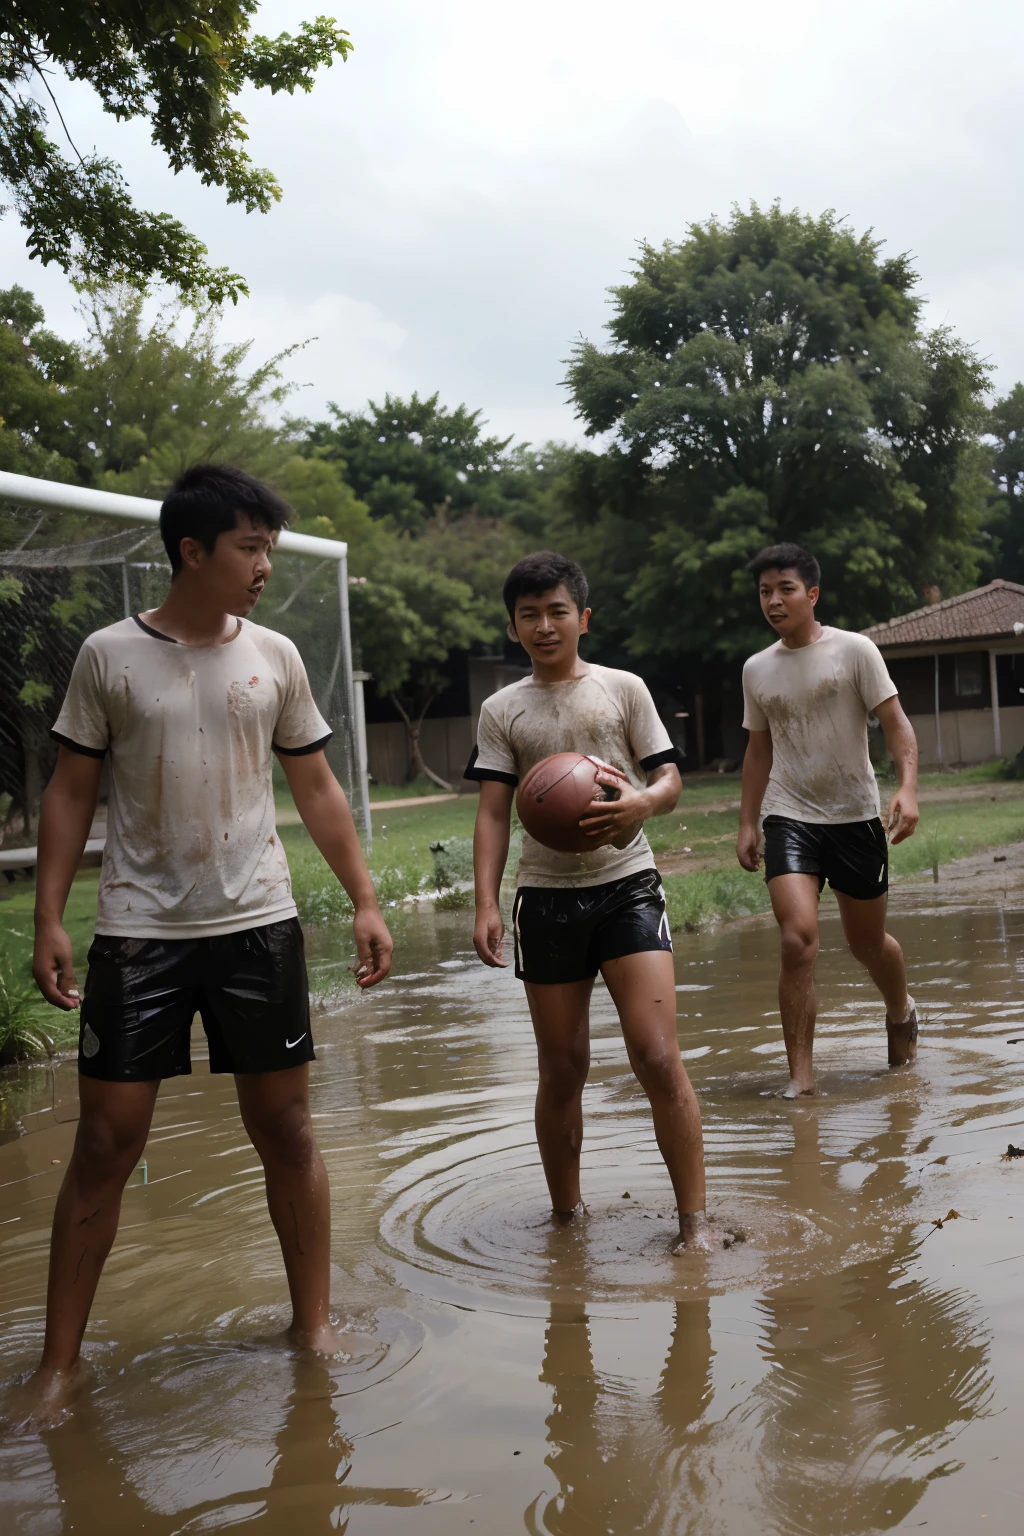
902, 1038
694, 1236
797, 1090
335, 1343
42, 1402
563, 1218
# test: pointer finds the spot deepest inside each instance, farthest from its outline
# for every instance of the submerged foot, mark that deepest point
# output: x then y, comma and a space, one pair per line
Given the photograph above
334, 1343
902, 1038
40, 1403
694, 1234
564, 1218
795, 1089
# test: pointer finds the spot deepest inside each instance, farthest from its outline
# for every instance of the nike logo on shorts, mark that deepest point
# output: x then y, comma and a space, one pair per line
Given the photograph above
290, 1044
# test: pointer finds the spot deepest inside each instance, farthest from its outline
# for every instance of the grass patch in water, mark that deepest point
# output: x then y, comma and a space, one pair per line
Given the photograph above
708, 896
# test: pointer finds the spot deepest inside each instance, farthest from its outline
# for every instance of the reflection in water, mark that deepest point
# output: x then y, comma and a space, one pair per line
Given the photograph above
614, 1449
837, 1371
871, 1374
227, 1463
874, 1370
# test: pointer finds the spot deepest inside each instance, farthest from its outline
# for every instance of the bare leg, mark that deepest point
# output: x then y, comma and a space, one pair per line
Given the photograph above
643, 989
795, 904
561, 1024
275, 1112
879, 953
111, 1136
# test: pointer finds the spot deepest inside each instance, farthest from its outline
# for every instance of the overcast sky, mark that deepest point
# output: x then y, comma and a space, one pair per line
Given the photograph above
461, 193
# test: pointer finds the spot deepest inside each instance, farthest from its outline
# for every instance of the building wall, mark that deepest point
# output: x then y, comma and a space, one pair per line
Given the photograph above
445, 745
967, 735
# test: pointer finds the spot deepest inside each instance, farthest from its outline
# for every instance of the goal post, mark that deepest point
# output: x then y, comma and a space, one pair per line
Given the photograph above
59, 552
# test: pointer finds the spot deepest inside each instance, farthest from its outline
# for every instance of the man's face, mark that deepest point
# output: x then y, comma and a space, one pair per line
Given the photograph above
785, 602
237, 569
548, 625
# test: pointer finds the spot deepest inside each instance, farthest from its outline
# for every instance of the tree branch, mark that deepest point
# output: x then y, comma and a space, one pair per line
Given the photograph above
39, 71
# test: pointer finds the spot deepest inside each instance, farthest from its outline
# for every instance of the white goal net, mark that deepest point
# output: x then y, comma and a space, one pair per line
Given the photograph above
72, 561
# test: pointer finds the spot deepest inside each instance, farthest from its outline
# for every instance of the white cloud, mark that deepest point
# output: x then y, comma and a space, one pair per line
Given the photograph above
461, 193
351, 351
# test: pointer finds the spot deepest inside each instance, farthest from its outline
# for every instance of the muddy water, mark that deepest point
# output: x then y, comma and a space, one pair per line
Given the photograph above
847, 1367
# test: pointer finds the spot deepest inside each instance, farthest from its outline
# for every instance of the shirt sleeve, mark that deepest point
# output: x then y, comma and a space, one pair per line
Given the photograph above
754, 717
492, 757
83, 723
300, 727
649, 739
872, 676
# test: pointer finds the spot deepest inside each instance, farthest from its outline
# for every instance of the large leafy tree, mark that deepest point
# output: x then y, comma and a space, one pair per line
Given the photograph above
180, 67
412, 459
770, 379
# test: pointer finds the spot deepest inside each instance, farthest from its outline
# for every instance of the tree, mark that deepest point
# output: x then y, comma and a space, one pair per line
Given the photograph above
37, 369
769, 379
408, 625
1004, 521
180, 68
408, 459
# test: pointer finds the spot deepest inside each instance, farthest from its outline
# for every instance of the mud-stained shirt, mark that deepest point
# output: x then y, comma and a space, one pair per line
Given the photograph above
815, 700
603, 713
191, 846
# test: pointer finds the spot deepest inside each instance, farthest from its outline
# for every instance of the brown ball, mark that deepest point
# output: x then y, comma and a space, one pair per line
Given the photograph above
553, 797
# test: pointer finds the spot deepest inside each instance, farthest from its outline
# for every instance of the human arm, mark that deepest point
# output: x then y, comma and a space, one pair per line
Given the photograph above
610, 820
490, 854
320, 801
65, 816
757, 766
903, 815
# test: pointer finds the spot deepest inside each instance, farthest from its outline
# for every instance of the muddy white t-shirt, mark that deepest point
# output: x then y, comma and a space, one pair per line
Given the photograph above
192, 847
604, 713
815, 700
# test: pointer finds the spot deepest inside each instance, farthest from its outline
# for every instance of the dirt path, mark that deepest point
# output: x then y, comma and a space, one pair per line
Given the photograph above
992, 878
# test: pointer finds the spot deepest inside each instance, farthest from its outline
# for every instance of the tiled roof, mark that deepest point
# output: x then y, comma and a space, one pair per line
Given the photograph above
987, 613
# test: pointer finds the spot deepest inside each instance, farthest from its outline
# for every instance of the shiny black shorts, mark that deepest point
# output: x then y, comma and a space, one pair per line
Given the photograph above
141, 996
852, 856
566, 934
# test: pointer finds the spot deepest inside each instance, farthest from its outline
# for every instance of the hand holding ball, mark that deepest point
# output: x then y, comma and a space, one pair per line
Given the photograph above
556, 793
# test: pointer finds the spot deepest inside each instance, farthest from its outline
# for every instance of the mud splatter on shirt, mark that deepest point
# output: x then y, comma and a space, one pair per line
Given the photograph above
604, 713
191, 848
815, 700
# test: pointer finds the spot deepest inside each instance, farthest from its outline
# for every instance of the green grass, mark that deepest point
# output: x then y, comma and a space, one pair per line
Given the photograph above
713, 895
979, 773
419, 848
953, 831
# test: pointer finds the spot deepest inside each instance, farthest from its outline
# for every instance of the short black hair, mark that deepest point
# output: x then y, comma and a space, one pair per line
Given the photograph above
786, 557
205, 501
538, 573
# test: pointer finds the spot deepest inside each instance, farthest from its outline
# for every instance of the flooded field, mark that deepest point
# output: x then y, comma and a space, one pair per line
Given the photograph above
847, 1366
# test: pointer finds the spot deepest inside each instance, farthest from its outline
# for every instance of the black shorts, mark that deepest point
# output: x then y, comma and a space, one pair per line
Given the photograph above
566, 933
141, 996
852, 856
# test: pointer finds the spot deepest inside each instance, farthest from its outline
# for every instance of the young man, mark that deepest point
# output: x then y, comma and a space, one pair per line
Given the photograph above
806, 705
195, 912
577, 914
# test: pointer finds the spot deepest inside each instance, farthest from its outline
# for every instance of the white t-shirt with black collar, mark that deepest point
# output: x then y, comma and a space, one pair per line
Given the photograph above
192, 849
604, 713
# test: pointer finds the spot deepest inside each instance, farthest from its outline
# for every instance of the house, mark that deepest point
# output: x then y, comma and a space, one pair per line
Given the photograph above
959, 668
